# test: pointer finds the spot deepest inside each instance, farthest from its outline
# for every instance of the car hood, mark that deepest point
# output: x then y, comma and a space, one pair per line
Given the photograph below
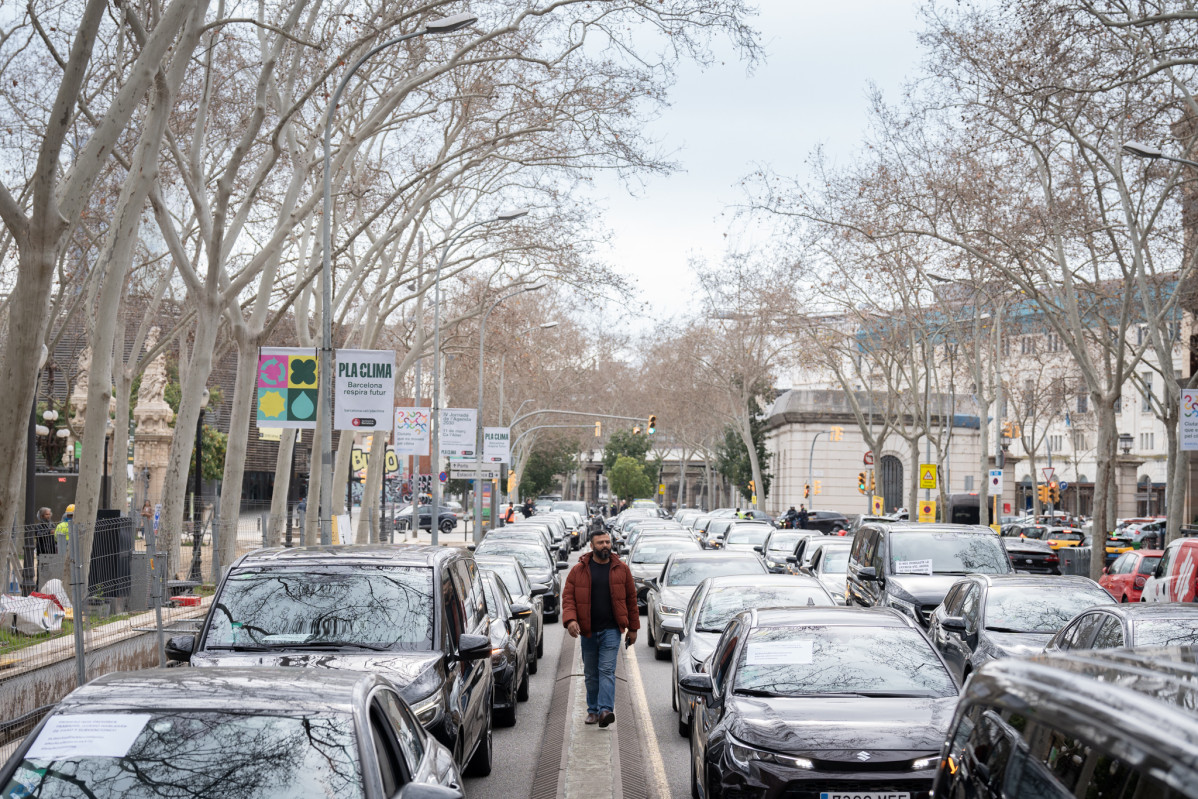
929, 589
1016, 644
402, 668
741, 547
677, 595
645, 571
830, 728
834, 583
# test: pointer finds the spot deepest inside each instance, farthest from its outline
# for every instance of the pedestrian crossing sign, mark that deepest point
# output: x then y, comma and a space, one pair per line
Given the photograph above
927, 475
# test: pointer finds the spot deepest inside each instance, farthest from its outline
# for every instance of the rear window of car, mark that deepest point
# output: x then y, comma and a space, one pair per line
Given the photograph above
754, 535
1165, 632
530, 557
693, 572
1148, 564
947, 553
723, 603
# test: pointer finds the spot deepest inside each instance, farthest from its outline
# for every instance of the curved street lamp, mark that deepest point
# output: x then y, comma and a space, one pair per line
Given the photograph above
324, 396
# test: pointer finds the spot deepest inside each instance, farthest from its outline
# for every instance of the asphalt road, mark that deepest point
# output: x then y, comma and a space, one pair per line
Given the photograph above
657, 677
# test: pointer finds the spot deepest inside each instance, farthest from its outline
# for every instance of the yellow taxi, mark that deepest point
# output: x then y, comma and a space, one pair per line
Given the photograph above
1064, 537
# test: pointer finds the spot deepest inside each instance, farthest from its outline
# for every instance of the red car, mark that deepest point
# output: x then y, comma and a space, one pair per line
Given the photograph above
1125, 578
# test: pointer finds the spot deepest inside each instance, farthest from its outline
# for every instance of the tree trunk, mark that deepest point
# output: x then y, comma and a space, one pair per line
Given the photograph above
682, 464
244, 391
913, 496
1103, 482
746, 435
372, 487
282, 489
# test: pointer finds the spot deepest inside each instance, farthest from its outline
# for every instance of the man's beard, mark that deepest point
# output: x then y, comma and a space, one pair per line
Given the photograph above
602, 555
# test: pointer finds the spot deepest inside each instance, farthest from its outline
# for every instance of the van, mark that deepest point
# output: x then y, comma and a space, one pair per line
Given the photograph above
910, 567
1173, 580
1114, 723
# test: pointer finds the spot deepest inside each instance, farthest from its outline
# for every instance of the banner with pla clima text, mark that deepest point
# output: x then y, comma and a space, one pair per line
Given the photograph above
363, 389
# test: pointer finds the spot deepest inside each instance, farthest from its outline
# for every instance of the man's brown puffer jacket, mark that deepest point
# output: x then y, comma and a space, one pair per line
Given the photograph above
576, 595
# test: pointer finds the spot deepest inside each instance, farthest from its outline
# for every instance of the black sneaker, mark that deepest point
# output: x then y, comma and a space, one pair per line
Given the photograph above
606, 717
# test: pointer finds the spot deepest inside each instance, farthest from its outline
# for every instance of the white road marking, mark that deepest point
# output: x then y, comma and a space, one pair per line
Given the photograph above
655, 766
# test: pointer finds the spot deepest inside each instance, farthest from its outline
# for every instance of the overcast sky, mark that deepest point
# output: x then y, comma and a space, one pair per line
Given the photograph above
812, 90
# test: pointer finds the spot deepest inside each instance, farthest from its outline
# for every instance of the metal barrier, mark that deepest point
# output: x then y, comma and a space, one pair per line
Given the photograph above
1075, 560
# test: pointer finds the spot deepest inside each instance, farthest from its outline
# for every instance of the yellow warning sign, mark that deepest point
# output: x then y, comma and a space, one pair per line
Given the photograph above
927, 511
879, 506
927, 475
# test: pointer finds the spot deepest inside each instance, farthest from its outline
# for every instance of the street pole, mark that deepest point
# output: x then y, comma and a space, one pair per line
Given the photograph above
325, 393
478, 419
434, 518
811, 470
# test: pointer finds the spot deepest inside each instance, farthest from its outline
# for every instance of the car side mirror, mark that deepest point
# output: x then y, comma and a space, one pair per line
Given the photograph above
954, 623
868, 573
539, 590
671, 624
521, 611
758, 549
179, 648
474, 647
697, 684
471, 547
422, 790
561, 564
791, 559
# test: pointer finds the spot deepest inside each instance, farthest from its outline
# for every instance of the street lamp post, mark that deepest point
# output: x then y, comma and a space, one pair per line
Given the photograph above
325, 394
811, 470
434, 511
478, 420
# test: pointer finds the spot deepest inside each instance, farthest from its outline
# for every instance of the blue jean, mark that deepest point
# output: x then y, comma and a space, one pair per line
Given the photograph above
599, 668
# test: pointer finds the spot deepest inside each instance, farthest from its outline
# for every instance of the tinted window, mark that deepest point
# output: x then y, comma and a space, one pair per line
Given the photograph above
1110, 634
389, 606
721, 658
693, 572
836, 660
1165, 632
950, 553
1044, 609
989, 747
952, 600
722, 604
407, 729
211, 754
510, 574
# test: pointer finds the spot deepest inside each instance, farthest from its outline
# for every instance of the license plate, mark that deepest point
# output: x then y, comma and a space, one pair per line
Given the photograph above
856, 795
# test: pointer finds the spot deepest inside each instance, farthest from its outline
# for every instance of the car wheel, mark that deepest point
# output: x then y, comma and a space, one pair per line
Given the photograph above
522, 690
447, 526
695, 794
551, 618
532, 659
504, 717
541, 644
684, 726
480, 764
649, 638
674, 694
661, 654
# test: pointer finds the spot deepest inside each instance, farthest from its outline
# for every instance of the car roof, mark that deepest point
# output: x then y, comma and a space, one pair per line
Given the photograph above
266, 689
898, 528
749, 580
495, 557
394, 554
830, 616
707, 554
1153, 610
1032, 580
1134, 698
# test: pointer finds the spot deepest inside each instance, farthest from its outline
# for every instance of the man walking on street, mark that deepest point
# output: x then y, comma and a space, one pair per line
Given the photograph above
599, 603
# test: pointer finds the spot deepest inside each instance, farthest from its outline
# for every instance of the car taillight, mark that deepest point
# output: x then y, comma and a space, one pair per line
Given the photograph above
1052, 559
1140, 581
841, 532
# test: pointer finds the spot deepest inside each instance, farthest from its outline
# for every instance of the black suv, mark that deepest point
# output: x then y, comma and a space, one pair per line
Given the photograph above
910, 567
1116, 723
416, 614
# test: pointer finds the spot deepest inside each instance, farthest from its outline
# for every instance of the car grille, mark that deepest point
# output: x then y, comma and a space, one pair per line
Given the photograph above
918, 789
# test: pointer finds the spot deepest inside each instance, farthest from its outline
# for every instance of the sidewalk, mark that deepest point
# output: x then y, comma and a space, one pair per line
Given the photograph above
580, 761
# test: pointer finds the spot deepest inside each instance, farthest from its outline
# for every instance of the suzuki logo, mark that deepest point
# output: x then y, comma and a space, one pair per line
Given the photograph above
863, 756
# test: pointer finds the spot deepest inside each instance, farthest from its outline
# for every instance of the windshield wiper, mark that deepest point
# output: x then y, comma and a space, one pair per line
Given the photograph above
756, 692
339, 645
1007, 630
244, 648
893, 694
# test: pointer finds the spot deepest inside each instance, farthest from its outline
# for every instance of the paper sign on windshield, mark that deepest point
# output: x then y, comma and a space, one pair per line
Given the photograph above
87, 735
780, 653
913, 567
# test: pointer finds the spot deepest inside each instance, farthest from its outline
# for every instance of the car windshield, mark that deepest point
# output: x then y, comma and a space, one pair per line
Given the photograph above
693, 572
840, 660
785, 542
659, 550
718, 526
576, 507
506, 572
1042, 609
373, 606
1033, 532
529, 557
1165, 632
724, 602
835, 561
947, 553
754, 535
155, 755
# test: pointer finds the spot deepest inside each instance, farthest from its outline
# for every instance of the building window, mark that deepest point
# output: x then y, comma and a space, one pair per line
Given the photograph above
1147, 442
1027, 345
969, 482
1118, 404
1146, 393
1056, 443
1083, 403
1053, 342
1141, 334
1079, 442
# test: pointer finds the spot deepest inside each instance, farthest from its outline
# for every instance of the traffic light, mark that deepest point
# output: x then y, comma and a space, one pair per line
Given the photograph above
1042, 493
861, 484
598, 429
652, 425
636, 431
872, 485
752, 487
818, 488
806, 491
837, 433
1054, 492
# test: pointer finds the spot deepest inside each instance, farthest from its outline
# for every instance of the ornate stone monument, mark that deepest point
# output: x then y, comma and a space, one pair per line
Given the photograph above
153, 417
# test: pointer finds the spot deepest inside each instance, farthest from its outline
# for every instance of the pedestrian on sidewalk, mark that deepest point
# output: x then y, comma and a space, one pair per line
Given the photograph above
599, 603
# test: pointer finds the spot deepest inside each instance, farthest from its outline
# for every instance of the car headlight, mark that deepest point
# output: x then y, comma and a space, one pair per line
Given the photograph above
923, 763
670, 610
496, 655
904, 606
744, 755
428, 708
771, 564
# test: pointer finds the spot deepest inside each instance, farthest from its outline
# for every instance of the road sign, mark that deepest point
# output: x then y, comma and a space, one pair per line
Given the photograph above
868, 460
879, 506
996, 481
1188, 421
661, 488
1064, 485
468, 470
443, 477
927, 475
1048, 472
927, 510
